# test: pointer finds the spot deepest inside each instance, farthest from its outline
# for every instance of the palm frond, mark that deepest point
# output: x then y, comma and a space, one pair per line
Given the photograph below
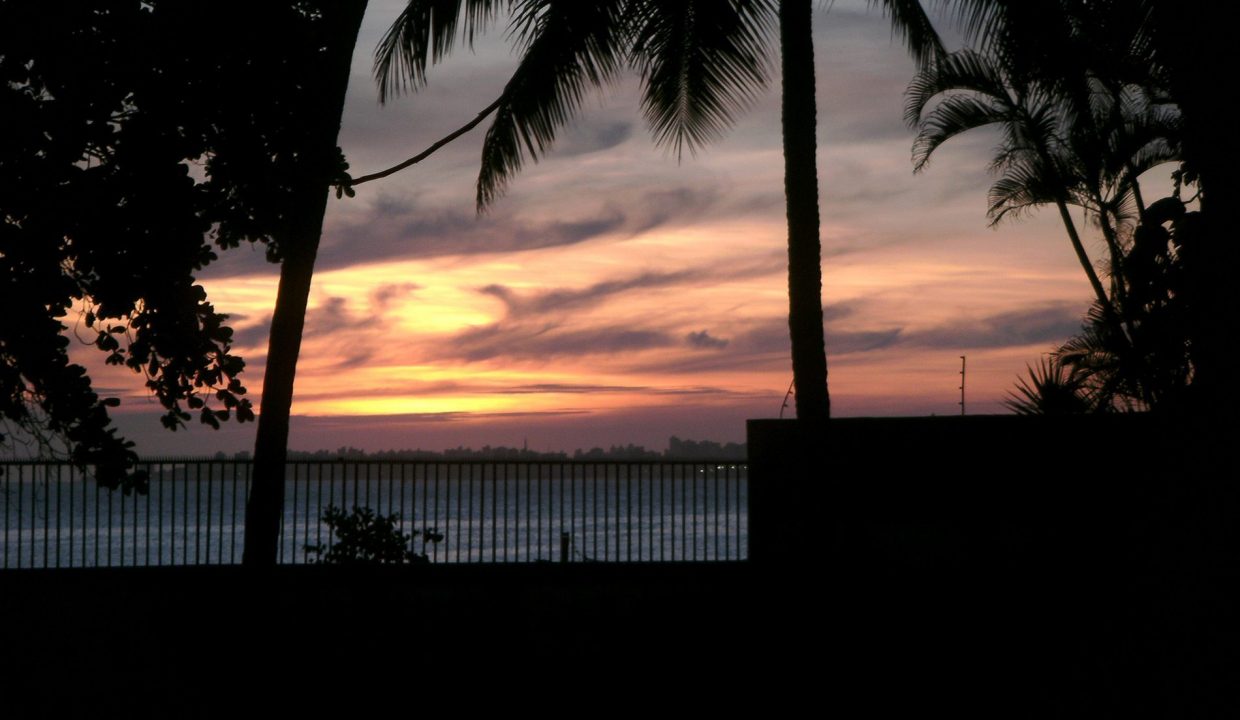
567, 47
911, 23
954, 115
702, 61
979, 19
424, 33
1051, 388
1023, 186
961, 71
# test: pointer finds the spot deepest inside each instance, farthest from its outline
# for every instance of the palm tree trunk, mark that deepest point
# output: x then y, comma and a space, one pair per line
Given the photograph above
1118, 288
809, 361
299, 246
1099, 292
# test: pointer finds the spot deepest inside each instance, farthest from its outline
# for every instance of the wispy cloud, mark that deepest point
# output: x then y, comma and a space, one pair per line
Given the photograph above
1048, 324
562, 300
703, 340
543, 341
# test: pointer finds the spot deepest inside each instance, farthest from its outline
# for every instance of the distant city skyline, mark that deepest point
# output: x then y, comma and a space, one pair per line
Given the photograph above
616, 295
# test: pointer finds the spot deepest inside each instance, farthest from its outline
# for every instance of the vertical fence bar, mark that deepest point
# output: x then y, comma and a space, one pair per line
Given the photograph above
662, 512
318, 510
737, 485
47, 515
7, 502
207, 468
412, 508
80, 481
197, 508
540, 511
293, 519
109, 528
628, 508
121, 521
69, 518
391, 487
529, 527
233, 525
146, 517
653, 472
460, 499
59, 494
680, 482
331, 497
96, 525
727, 511
21, 496
574, 517
494, 510
436, 497
184, 510
247, 479
700, 471
356, 483
479, 529
588, 471
505, 485
718, 511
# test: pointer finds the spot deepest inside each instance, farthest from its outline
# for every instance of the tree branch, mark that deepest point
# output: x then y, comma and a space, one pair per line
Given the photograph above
430, 150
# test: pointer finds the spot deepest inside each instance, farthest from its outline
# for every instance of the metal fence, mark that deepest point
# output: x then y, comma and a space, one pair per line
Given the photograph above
54, 515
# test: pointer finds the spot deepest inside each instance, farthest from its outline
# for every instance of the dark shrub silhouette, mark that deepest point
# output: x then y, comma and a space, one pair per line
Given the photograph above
365, 538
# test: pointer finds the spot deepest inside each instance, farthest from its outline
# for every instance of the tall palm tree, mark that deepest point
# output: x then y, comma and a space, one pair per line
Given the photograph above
799, 120
700, 60
799, 117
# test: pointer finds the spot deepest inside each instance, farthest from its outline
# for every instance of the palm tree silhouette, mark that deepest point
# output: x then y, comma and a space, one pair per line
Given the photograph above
692, 92
701, 61
1082, 148
1082, 118
1184, 48
799, 120
1034, 162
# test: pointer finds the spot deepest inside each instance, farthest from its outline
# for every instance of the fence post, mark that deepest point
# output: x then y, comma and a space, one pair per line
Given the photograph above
564, 541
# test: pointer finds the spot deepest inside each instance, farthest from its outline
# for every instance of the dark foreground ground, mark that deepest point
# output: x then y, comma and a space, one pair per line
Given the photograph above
1003, 642
1034, 584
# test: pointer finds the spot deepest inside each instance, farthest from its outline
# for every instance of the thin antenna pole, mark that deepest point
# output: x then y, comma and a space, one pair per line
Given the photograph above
962, 368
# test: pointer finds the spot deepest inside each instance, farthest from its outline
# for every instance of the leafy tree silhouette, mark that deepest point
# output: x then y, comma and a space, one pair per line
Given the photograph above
133, 156
106, 112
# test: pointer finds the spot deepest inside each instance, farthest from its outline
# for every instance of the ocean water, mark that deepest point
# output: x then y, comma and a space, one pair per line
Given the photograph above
55, 516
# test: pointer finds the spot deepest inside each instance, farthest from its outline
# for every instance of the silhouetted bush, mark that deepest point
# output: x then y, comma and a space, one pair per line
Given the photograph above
365, 538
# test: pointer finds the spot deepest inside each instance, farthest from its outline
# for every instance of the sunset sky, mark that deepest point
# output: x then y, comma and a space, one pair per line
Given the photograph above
616, 295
